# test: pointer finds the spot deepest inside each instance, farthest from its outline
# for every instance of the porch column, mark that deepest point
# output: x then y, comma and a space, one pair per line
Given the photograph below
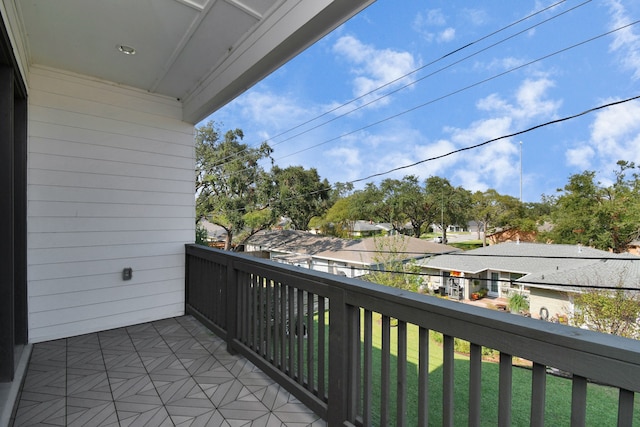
7, 262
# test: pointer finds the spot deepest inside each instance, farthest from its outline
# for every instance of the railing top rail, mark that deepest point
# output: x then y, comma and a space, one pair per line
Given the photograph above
601, 357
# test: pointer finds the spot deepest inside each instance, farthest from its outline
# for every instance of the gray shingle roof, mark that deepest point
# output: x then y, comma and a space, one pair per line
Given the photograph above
367, 251
602, 273
294, 241
518, 258
349, 250
547, 264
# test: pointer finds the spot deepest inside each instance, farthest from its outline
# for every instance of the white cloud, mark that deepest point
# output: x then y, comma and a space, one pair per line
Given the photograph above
580, 157
615, 135
531, 102
475, 16
497, 164
431, 17
492, 102
447, 35
373, 67
499, 64
425, 24
625, 41
431, 150
275, 111
346, 156
481, 130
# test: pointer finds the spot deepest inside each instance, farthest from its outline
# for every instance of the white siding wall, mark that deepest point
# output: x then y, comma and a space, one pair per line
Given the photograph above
110, 186
556, 303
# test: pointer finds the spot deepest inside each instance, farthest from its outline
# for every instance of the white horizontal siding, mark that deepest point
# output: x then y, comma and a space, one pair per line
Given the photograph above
54, 208
110, 186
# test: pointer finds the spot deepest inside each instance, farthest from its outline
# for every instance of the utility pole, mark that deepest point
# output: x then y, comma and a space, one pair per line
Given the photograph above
442, 211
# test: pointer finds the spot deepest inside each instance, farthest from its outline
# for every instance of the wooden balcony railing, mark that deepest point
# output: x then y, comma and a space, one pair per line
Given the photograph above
349, 349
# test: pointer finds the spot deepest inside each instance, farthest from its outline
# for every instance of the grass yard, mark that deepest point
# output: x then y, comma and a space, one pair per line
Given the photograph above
601, 408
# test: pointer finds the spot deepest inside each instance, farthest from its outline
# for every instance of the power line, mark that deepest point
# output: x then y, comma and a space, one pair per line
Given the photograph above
439, 70
446, 55
515, 281
471, 147
465, 88
467, 254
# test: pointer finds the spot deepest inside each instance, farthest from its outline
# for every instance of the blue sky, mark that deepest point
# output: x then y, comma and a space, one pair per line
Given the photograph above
496, 86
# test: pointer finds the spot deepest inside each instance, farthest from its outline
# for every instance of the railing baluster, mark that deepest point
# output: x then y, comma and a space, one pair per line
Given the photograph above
311, 335
354, 362
475, 383
401, 405
625, 408
300, 335
243, 314
291, 322
423, 377
367, 369
233, 308
268, 319
447, 380
283, 327
276, 324
505, 384
253, 304
260, 319
385, 368
322, 349
538, 394
578, 401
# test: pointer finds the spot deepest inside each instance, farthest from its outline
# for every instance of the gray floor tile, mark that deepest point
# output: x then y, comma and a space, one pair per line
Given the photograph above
164, 373
83, 413
40, 412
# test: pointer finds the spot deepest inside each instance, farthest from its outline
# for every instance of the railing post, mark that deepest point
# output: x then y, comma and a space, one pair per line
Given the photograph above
338, 361
187, 278
231, 288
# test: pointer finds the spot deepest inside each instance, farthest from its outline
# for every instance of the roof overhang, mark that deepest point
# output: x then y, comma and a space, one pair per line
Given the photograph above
203, 52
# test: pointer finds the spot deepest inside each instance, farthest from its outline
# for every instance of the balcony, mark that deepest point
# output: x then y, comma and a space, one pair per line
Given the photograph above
344, 349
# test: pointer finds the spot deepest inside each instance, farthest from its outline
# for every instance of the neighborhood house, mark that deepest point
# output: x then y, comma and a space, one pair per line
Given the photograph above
544, 273
346, 257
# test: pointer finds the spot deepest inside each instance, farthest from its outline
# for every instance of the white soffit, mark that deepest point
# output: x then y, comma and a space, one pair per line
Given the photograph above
204, 52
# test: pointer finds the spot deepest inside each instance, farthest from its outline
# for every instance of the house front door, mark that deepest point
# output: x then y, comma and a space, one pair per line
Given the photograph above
494, 284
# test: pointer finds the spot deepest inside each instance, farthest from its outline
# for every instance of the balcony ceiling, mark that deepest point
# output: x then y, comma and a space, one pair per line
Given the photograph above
203, 52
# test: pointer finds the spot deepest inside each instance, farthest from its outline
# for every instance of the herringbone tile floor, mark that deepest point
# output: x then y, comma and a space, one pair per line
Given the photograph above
172, 372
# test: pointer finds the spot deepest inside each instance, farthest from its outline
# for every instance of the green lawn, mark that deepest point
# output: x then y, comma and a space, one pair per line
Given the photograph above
602, 401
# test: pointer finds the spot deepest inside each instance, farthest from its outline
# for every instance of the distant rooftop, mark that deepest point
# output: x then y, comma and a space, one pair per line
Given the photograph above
547, 264
353, 250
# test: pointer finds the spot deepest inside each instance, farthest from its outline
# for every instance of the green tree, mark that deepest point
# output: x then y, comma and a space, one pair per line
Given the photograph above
340, 190
298, 194
608, 311
511, 213
418, 209
454, 204
391, 266
606, 217
367, 203
338, 220
484, 211
391, 207
228, 179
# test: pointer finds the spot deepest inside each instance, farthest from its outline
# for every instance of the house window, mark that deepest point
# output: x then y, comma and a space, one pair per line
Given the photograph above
493, 283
